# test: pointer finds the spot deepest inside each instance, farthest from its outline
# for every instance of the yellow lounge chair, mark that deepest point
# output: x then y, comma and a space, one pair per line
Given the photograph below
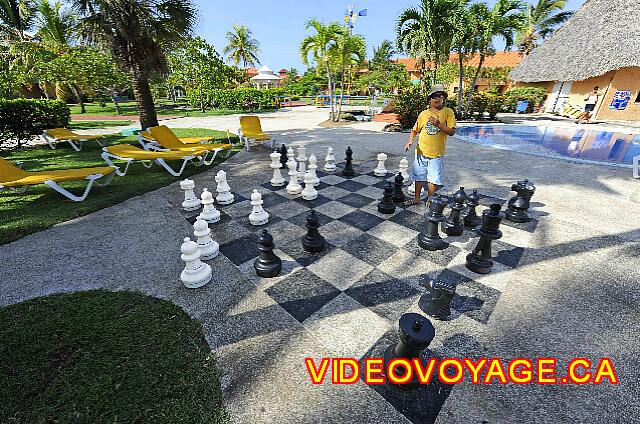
146, 137
168, 141
19, 179
132, 154
57, 135
250, 129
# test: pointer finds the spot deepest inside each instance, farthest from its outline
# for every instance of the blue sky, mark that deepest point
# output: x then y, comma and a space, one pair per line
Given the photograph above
279, 25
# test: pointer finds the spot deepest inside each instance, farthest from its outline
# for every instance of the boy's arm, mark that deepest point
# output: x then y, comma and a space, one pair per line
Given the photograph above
414, 132
443, 127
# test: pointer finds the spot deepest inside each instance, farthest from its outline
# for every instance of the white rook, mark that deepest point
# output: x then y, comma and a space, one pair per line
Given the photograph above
381, 171
277, 179
209, 249
258, 216
224, 197
191, 201
195, 273
209, 212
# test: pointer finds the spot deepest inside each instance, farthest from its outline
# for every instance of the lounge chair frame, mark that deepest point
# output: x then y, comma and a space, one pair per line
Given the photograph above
75, 145
248, 140
152, 145
92, 180
109, 156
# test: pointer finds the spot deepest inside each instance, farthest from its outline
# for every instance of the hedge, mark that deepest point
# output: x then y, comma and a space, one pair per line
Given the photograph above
242, 98
23, 119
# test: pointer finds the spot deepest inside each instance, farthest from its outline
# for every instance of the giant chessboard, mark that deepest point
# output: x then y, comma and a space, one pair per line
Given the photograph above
351, 295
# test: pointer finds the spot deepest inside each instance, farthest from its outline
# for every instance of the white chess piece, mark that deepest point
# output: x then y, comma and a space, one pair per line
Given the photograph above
209, 249
195, 273
224, 197
258, 216
309, 192
191, 201
312, 168
291, 155
209, 212
380, 170
302, 161
294, 186
330, 161
402, 168
277, 179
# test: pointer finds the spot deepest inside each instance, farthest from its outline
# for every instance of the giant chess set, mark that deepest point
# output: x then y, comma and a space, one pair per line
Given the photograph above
338, 239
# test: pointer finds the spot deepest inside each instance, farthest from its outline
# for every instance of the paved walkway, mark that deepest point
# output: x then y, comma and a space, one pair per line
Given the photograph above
576, 295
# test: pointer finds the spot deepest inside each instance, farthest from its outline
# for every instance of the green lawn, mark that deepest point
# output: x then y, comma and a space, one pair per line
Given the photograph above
41, 207
90, 125
164, 109
103, 357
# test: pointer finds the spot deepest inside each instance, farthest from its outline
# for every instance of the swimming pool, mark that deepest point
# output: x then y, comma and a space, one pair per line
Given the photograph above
580, 144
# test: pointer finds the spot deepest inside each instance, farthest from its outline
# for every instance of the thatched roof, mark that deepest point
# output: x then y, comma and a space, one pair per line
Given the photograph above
603, 35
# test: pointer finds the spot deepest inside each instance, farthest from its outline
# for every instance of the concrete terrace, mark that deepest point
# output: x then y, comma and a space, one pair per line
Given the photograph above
574, 294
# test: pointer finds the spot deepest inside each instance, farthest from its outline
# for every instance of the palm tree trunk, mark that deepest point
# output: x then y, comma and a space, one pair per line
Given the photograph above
460, 82
78, 95
333, 112
435, 72
341, 96
115, 103
144, 99
475, 80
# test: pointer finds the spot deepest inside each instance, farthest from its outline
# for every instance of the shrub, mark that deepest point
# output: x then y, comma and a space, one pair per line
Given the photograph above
23, 119
408, 106
531, 94
242, 98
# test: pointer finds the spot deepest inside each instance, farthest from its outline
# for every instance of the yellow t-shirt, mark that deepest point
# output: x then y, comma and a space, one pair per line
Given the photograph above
431, 140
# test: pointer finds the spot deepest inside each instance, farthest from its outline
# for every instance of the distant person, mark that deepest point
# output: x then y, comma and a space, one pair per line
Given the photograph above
591, 102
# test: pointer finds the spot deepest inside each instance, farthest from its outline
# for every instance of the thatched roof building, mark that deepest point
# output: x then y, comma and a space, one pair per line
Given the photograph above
603, 35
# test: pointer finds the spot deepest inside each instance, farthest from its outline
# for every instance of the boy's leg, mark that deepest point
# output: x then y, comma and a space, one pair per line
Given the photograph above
435, 169
419, 175
416, 199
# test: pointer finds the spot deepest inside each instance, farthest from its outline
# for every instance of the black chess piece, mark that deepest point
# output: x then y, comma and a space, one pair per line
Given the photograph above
453, 225
480, 259
312, 241
267, 265
348, 166
436, 302
518, 205
386, 205
469, 216
430, 239
284, 157
398, 194
416, 333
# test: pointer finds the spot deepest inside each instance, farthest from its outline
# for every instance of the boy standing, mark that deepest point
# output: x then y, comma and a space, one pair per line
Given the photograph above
434, 126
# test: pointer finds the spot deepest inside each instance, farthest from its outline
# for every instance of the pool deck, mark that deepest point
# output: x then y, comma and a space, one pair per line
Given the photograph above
576, 293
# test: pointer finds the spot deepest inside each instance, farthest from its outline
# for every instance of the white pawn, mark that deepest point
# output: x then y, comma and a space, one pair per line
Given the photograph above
191, 201
302, 161
209, 212
224, 197
330, 161
309, 192
209, 249
195, 273
402, 168
277, 179
258, 216
294, 186
312, 168
380, 170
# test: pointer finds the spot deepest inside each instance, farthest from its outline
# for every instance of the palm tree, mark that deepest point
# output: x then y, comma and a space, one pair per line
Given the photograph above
540, 22
55, 26
16, 18
426, 33
502, 20
137, 32
322, 45
241, 47
350, 50
382, 55
463, 43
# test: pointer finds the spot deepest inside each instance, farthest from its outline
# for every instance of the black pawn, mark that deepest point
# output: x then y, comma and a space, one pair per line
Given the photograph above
518, 205
284, 158
267, 265
480, 259
398, 194
453, 225
312, 241
348, 166
436, 302
416, 333
386, 205
430, 239
470, 218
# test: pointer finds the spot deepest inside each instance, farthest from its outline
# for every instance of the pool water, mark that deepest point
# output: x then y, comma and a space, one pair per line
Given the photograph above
579, 143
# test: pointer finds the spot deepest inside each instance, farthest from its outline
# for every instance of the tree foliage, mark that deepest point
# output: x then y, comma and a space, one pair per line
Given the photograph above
242, 47
540, 22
